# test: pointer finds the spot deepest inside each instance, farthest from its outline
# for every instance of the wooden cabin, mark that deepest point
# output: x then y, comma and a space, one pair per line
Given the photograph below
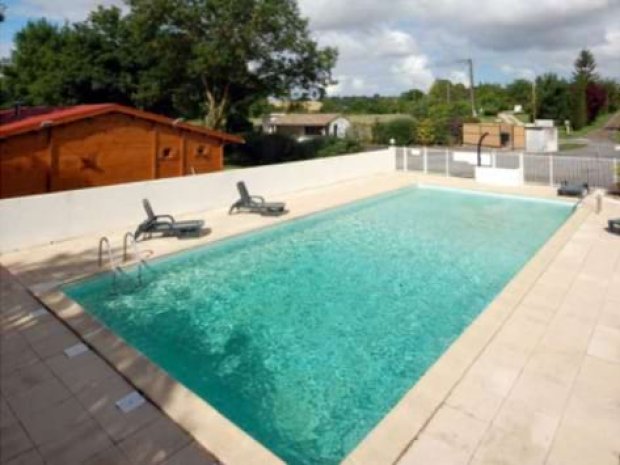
100, 145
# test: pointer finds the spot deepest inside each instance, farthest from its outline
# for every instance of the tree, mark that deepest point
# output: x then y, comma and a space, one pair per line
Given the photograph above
37, 74
579, 107
233, 53
583, 75
585, 66
2, 12
519, 92
596, 98
553, 100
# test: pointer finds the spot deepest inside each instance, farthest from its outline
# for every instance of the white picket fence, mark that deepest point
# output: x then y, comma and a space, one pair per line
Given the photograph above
537, 169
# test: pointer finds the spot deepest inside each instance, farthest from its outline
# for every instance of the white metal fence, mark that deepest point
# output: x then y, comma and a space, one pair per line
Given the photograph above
537, 169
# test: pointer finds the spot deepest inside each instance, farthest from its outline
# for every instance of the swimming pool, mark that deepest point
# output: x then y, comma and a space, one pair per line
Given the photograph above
306, 334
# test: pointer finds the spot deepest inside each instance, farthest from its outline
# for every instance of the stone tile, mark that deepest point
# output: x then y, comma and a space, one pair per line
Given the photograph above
43, 395
450, 438
559, 366
84, 441
13, 441
610, 315
99, 398
540, 392
519, 436
15, 353
545, 296
78, 372
192, 454
157, 442
6, 415
577, 443
25, 378
111, 456
54, 344
31, 457
605, 344
54, 423
594, 399
566, 334
483, 388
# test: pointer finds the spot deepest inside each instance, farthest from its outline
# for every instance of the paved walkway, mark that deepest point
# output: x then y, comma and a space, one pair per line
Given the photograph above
546, 390
61, 411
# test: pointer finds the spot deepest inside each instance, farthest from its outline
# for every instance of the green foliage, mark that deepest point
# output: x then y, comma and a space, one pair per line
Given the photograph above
185, 57
491, 99
519, 92
426, 134
553, 98
402, 130
585, 66
267, 149
236, 52
579, 112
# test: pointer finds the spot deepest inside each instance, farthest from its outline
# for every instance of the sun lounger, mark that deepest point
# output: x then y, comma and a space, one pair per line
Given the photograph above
166, 225
614, 225
573, 190
255, 203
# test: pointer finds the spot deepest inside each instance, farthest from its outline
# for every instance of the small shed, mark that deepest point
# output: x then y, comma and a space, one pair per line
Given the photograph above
56, 149
306, 125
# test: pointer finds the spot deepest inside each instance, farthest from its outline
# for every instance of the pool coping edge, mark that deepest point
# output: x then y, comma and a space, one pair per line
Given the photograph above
231, 444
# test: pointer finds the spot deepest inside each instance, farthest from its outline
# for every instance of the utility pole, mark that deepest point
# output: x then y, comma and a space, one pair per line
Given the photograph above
472, 94
534, 99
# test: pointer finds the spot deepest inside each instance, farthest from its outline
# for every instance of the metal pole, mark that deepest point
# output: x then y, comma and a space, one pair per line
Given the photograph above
447, 162
616, 174
425, 154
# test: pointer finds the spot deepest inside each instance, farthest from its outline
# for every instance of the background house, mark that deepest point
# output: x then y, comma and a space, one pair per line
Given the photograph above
49, 150
304, 125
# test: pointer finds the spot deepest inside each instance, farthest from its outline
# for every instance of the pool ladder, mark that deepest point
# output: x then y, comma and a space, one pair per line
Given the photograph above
117, 270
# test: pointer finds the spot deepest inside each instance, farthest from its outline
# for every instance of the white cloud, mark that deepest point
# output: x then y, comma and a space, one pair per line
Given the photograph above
413, 71
522, 73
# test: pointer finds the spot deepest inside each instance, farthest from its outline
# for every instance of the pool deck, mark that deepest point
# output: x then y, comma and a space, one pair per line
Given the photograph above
534, 380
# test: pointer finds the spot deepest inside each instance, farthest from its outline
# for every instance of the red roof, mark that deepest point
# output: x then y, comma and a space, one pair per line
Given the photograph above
66, 115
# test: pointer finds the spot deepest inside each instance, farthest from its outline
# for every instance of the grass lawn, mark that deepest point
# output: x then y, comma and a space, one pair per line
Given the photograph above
372, 119
523, 117
598, 123
571, 146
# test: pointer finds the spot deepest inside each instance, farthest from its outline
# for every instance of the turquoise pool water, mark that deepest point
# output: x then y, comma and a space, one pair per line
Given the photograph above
306, 334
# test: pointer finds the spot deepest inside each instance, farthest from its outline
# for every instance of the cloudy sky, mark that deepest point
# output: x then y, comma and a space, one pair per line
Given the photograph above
388, 46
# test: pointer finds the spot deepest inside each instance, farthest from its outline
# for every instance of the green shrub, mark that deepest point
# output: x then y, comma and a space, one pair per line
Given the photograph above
268, 149
402, 130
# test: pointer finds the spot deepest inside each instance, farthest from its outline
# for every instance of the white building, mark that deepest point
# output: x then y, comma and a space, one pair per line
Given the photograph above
306, 125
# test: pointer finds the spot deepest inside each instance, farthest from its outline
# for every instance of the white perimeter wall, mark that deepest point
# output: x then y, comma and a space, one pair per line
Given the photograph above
41, 219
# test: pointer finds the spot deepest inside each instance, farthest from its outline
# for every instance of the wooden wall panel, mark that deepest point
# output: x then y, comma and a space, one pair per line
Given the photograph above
203, 154
169, 152
109, 149
24, 165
